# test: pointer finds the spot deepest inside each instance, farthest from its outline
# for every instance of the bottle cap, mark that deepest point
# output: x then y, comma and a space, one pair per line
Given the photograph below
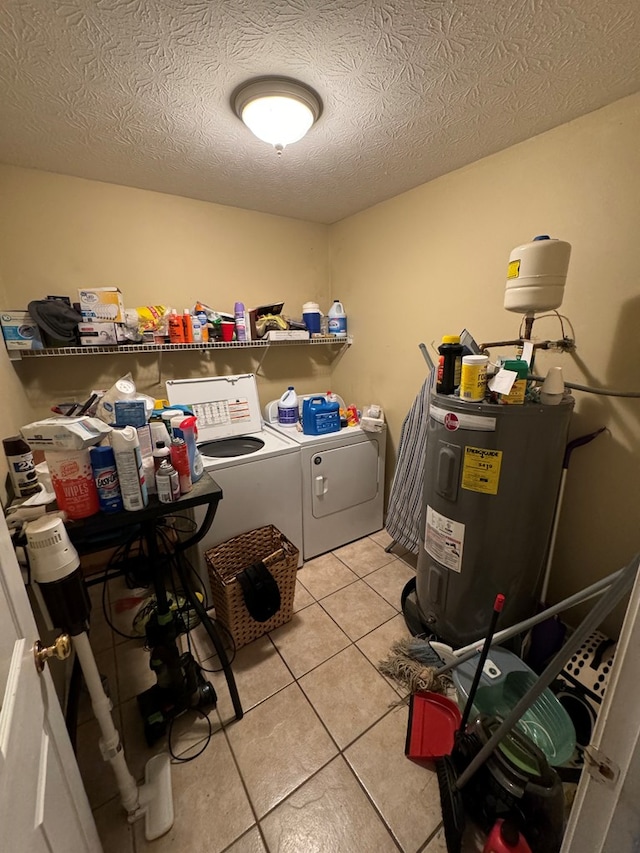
451, 339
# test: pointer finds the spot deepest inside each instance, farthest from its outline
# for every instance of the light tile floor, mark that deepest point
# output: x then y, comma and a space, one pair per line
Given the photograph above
317, 763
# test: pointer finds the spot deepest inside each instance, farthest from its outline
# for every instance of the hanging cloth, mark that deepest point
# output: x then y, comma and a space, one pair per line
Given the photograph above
405, 499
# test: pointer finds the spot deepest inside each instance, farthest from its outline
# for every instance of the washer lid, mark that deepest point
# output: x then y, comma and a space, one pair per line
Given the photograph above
224, 405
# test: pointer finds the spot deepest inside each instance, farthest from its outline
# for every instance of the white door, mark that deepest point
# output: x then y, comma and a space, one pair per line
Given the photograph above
43, 804
605, 816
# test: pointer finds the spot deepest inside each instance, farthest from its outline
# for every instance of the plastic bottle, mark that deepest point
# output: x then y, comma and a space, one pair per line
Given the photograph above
331, 397
126, 450
196, 328
288, 408
73, 483
241, 323
180, 461
105, 474
473, 378
449, 367
176, 328
187, 326
505, 838
22, 468
201, 314
168, 483
337, 320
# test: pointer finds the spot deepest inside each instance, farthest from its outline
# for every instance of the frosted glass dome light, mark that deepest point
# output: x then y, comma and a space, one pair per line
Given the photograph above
277, 110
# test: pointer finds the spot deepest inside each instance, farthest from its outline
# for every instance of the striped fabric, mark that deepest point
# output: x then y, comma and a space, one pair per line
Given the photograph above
405, 500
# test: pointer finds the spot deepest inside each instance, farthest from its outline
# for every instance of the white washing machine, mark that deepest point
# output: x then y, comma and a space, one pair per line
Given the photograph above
257, 469
342, 482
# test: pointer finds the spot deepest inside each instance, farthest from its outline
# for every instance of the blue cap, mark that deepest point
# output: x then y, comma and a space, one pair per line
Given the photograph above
542, 237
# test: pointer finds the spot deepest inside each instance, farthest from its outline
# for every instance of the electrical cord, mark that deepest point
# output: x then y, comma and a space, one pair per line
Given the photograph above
179, 758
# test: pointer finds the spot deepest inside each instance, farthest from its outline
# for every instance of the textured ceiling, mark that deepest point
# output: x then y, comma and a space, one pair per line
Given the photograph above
137, 91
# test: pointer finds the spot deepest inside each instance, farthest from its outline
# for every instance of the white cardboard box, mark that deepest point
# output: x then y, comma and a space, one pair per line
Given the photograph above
101, 304
20, 330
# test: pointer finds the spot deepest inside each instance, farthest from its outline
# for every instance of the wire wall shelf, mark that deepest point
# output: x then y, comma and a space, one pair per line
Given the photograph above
138, 349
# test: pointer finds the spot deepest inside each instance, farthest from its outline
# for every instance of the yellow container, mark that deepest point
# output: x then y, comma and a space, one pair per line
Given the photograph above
473, 378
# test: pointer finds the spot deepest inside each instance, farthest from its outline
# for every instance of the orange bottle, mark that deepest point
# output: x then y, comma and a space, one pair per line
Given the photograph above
176, 328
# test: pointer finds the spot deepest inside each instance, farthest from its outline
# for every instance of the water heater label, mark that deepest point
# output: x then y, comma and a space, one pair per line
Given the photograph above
444, 540
481, 470
513, 270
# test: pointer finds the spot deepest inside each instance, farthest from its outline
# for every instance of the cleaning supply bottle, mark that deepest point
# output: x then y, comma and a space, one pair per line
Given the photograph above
505, 838
185, 428
186, 325
22, 468
180, 461
160, 453
241, 323
105, 474
126, 450
196, 328
337, 320
201, 314
168, 483
450, 364
176, 328
288, 408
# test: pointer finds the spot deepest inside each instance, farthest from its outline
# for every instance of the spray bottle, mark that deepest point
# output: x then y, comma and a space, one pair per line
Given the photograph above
126, 450
186, 428
241, 323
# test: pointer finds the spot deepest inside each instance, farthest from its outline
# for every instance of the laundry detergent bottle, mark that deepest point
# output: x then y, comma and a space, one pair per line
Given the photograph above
288, 408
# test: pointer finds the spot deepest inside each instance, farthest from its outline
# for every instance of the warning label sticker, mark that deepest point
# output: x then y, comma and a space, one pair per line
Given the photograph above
481, 470
444, 540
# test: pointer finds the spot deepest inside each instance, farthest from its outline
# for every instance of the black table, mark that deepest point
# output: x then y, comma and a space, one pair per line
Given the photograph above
98, 531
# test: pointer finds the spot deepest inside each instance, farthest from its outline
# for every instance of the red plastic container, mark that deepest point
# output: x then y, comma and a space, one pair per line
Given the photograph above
505, 838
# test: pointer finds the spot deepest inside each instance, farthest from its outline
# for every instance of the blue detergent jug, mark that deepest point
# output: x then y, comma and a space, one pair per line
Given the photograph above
320, 417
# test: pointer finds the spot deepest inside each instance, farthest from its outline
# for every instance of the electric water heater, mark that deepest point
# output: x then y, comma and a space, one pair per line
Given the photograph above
491, 481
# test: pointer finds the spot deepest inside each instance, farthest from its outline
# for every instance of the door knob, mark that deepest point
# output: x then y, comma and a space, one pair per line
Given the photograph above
60, 649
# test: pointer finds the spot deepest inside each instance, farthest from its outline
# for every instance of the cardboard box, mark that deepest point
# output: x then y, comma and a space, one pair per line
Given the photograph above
20, 330
101, 304
64, 433
100, 334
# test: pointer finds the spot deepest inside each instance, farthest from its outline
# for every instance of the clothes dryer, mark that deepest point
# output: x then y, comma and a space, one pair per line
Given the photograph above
257, 469
342, 482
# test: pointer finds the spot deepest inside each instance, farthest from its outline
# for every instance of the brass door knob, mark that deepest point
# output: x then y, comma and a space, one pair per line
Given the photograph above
61, 649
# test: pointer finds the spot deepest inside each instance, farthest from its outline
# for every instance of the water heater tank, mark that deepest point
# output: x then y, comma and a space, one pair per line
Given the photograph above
536, 275
491, 481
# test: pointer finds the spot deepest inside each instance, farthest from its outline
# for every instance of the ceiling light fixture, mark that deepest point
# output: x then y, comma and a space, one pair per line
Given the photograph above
276, 109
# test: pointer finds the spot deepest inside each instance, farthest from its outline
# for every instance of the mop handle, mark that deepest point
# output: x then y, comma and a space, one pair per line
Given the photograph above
617, 590
497, 609
467, 652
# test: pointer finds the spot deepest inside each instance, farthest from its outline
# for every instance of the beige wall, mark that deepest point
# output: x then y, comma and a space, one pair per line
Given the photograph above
58, 234
433, 260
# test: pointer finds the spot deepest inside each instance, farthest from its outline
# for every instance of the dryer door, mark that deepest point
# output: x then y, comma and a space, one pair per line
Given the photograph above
343, 477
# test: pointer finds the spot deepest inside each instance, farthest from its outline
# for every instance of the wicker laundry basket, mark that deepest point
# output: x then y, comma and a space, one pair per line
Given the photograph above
228, 559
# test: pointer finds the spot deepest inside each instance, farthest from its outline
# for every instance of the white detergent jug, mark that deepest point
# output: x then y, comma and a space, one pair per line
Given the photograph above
288, 408
337, 320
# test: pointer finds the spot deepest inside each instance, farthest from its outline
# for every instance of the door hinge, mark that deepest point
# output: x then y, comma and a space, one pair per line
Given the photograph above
601, 767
